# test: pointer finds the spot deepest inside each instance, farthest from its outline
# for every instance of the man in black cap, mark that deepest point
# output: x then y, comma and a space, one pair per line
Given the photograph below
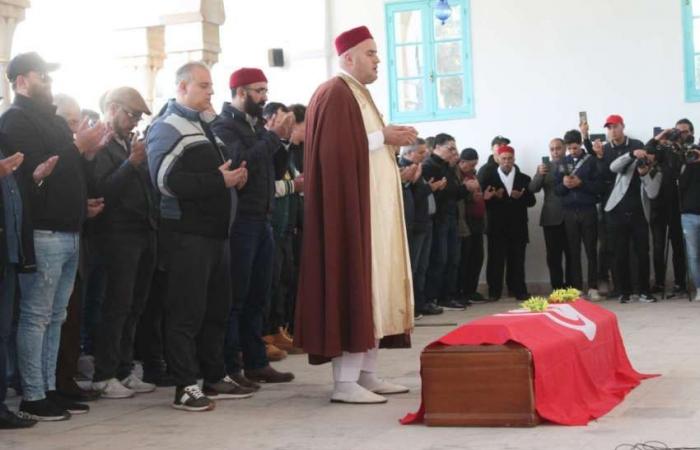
58, 206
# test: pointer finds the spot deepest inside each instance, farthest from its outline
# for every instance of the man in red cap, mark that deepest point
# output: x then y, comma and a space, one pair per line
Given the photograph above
617, 145
355, 278
251, 140
507, 196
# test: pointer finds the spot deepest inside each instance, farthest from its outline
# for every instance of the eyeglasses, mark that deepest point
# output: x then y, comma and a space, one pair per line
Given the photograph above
131, 115
260, 91
43, 76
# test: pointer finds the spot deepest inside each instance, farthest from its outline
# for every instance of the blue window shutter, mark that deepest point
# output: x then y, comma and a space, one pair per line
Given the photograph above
430, 110
692, 93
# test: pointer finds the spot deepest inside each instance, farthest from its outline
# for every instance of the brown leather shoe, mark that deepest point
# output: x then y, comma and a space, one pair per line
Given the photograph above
268, 375
284, 341
274, 353
243, 381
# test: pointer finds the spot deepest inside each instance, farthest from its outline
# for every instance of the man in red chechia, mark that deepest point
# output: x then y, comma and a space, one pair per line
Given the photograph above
355, 282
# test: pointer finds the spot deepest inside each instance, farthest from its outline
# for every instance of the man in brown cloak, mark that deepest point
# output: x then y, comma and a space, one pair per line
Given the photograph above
355, 278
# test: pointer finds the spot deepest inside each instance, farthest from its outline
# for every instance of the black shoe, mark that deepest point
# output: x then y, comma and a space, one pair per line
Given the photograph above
160, 379
678, 291
243, 381
77, 394
476, 297
11, 421
452, 305
523, 297
191, 398
624, 298
42, 410
226, 388
614, 294
647, 298
67, 404
430, 309
657, 289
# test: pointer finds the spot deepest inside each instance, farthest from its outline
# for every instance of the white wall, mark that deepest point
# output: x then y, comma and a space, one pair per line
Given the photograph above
537, 63
251, 28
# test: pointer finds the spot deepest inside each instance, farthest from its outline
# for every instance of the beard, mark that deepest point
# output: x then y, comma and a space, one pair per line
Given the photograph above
253, 109
40, 93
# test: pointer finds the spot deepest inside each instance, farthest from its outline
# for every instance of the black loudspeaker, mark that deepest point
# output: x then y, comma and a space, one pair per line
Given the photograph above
275, 57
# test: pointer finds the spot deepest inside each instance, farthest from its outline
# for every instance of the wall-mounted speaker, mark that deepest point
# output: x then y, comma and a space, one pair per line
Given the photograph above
275, 57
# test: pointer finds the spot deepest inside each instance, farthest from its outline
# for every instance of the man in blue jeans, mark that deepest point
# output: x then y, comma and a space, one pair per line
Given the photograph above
240, 126
689, 187
16, 254
58, 206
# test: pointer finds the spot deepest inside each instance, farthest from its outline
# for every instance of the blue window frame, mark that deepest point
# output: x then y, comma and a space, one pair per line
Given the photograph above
691, 48
430, 64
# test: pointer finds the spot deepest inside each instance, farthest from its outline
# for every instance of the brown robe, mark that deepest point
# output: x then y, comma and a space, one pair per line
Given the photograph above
334, 301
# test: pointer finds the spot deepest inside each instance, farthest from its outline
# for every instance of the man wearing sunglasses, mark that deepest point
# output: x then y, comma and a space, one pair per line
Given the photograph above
59, 206
125, 237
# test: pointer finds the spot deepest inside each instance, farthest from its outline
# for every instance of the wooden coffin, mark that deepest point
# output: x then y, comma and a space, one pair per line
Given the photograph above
479, 385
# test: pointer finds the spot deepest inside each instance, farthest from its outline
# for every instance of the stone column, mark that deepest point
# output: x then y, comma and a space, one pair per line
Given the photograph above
141, 53
11, 13
192, 30
164, 36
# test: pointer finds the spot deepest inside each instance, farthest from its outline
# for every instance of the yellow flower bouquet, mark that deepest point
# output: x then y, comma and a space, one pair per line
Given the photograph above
564, 295
535, 304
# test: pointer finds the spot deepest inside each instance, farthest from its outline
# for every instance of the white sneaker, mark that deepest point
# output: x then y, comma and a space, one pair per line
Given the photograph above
355, 394
371, 382
593, 295
138, 385
697, 296
112, 388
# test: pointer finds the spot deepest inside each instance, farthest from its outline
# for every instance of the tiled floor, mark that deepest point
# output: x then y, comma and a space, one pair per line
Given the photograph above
661, 338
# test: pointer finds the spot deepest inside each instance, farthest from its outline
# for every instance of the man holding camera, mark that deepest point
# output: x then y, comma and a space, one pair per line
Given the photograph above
665, 209
689, 190
628, 209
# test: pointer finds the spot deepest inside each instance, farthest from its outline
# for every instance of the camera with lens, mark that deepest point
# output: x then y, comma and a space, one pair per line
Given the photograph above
684, 147
674, 135
689, 156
